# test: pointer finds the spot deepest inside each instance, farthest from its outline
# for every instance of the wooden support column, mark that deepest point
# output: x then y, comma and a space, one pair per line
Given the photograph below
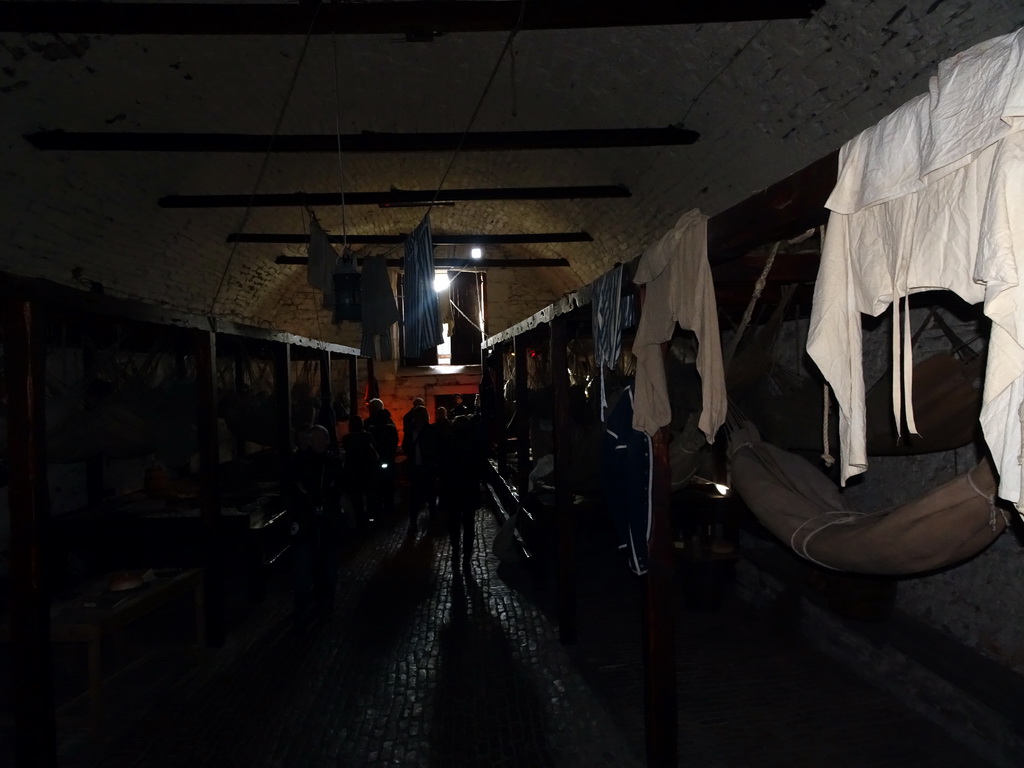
94, 479
660, 704
563, 492
240, 386
522, 415
326, 415
35, 730
204, 347
354, 401
283, 396
502, 430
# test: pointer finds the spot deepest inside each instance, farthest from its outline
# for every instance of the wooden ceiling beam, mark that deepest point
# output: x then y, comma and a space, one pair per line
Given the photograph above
416, 20
438, 239
367, 141
783, 210
787, 268
457, 263
394, 197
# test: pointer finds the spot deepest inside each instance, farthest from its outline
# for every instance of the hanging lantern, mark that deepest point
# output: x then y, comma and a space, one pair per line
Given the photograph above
348, 303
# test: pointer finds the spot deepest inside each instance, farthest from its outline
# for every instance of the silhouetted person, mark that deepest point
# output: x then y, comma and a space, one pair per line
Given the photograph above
460, 472
420, 447
312, 488
460, 408
384, 434
443, 422
361, 465
417, 402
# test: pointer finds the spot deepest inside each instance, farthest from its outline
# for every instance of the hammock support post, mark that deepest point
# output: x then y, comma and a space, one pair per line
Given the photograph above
660, 703
204, 347
25, 361
283, 396
522, 416
563, 491
353, 387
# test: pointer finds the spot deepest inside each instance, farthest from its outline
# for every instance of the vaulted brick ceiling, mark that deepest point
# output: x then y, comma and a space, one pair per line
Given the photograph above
766, 97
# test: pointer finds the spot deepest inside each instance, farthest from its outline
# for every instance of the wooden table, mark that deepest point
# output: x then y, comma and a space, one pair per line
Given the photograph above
96, 612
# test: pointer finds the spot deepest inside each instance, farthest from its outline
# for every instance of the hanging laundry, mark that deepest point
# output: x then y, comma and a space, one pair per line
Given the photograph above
626, 475
380, 310
679, 290
932, 197
422, 320
606, 313
320, 265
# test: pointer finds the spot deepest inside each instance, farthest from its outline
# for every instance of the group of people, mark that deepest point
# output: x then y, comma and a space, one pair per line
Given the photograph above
443, 463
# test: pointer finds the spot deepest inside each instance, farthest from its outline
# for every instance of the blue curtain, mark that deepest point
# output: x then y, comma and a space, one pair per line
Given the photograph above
422, 318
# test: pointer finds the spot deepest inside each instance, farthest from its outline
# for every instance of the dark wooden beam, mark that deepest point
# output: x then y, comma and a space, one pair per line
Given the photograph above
566, 557
35, 729
439, 239
73, 306
393, 198
478, 141
787, 268
418, 21
783, 210
283, 397
204, 349
456, 263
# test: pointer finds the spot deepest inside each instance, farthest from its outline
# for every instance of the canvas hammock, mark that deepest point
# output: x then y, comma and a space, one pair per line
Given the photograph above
804, 509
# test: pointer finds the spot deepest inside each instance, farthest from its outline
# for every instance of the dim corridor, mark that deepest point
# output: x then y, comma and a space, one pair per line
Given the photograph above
429, 663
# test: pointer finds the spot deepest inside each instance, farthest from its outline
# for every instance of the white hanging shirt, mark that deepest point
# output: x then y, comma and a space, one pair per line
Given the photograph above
676, 272
932, 197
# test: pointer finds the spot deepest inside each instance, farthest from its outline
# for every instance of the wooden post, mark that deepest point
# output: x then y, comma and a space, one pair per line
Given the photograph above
327, 399
204, 347
353, 387
94, 479
660, 705
283, 396
240, 385
563, 492
501, 431
522, 416
35, 730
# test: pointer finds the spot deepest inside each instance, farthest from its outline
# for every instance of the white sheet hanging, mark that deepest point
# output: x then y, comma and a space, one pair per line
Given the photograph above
959, 225
676, 272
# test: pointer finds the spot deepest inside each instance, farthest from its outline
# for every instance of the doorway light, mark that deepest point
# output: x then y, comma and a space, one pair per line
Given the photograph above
441, 282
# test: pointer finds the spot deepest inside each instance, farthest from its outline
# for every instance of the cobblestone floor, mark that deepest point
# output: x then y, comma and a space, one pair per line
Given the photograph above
429, 663
425, 662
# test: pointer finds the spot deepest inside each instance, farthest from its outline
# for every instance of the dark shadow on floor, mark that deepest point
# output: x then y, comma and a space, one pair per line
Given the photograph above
487, 711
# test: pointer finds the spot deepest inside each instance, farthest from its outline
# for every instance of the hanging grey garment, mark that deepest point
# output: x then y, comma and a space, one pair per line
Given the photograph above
422, 319
320, 267
380, 311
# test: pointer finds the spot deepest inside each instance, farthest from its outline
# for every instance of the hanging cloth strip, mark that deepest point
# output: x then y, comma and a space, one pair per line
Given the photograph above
422, 319
380, 311
606, 313
320, 266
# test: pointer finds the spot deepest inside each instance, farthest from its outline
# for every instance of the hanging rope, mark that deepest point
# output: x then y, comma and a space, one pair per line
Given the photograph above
749, 311
826, 454
266, 155
337, 128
